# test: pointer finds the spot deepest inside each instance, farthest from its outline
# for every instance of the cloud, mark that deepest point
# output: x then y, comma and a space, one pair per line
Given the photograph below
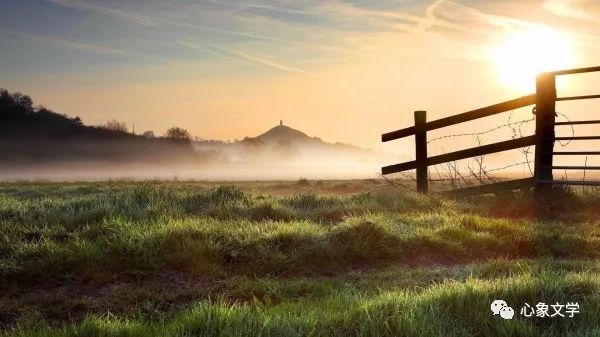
567, 9
216, 52
230, 32
469, 15
430, 18
320, 32
150, 20
246, 58
86, 47
147, 20
268, 62
130, 16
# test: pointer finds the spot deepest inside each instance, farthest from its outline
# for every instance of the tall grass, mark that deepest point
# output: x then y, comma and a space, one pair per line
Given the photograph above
177, 260
224, 230
446, 309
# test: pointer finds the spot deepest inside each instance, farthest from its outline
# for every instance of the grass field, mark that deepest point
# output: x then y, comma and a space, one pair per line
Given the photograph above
306, 258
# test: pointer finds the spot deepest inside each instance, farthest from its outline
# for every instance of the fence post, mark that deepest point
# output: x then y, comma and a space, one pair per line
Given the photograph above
421, 150
545, 114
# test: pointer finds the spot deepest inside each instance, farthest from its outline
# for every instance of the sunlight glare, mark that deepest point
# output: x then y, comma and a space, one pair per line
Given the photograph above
525, 54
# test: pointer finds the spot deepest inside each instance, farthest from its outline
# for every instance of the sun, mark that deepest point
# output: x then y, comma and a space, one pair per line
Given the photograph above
525, 54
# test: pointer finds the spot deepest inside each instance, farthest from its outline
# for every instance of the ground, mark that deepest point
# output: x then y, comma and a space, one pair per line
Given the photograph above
302, 258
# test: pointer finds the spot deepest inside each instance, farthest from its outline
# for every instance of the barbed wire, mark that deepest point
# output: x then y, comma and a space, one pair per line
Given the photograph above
489, 170
484, 174
517, 132
572, 129
482, 132
397, 183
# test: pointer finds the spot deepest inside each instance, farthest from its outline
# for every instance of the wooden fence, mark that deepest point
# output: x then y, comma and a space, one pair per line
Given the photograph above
544, 99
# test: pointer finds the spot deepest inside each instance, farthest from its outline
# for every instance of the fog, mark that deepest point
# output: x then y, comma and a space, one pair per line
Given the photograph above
222, 162
218, 161
98, 172
214, 161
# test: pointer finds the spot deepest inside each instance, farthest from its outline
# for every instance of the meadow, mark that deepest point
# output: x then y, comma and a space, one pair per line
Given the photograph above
300, 258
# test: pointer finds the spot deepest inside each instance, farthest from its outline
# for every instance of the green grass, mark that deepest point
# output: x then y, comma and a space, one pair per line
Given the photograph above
335, 259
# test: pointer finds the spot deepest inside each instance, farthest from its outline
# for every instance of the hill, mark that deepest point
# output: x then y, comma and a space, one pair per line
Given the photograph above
283, 133
284, 147
287, 139
38, 143
31, 134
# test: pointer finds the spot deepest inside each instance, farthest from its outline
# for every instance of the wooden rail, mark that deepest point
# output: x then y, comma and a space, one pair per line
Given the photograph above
575, 138
575, 71
572, 182
576, 153
572, 98
578, 122
544, 99
463, 154
581, 168
463, 117
491, 188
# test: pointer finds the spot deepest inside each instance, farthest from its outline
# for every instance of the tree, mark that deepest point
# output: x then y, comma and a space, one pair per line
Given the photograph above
16, 102
253, 142
22, 100
178, 133
5, 97
115, 125
148, 134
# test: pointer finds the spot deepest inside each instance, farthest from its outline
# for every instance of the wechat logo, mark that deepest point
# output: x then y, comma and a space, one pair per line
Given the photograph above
499, 307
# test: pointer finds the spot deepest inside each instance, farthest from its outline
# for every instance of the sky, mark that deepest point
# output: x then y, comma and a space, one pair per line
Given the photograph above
343, 70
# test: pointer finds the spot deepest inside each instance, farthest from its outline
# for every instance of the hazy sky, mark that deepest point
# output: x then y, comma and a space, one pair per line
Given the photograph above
342, 70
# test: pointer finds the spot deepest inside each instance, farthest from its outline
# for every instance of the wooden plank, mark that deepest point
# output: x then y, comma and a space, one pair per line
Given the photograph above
421, 150
573, 182
409, 165
545, 117
577, 153
482, 150
409, 131
576, 138
572, 98
482, 112
463, 117
463, 154
573, 167
575, 71
491, 188
578, 122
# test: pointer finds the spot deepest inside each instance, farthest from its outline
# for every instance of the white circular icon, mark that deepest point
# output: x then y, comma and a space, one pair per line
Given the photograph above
500, 307
497, 305
507, 313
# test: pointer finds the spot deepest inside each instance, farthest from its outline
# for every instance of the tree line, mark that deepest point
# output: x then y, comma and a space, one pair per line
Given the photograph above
17, 106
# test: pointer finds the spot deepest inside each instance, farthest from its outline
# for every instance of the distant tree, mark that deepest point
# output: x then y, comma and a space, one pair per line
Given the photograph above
22, 100
5, 97
16, 102
253, 142
115, 125
148, 134
178, 133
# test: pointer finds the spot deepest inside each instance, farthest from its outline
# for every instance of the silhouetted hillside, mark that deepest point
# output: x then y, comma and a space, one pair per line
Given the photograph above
289, 147
37, 143
283, 133
30, 134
